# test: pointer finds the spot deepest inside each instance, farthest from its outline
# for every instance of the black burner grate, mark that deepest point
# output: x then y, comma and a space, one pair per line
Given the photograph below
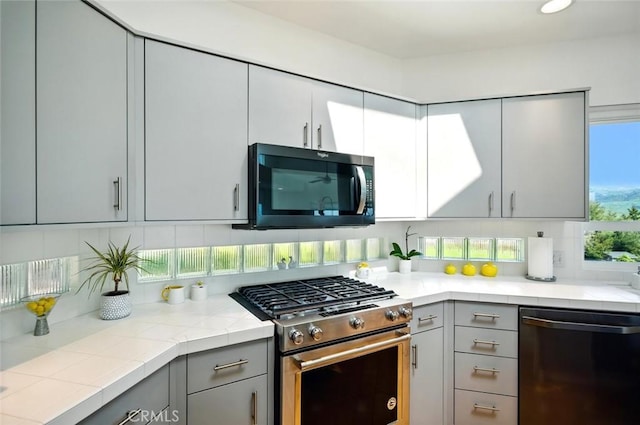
276, 299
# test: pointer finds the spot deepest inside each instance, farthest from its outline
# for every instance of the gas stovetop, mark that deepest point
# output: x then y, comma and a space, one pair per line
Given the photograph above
317, 311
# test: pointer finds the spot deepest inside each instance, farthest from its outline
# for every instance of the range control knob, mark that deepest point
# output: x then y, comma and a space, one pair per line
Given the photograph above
405, 312
357, 323
315, 332
392, 315
296, 336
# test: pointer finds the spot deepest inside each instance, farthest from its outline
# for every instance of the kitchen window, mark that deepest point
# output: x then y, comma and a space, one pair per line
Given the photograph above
612, 236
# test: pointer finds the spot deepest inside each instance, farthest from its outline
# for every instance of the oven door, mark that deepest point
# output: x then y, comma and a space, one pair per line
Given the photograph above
304, 188
362, 381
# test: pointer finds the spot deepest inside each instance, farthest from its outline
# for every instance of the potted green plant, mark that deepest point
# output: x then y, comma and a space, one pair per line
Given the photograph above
114, 263
404, 265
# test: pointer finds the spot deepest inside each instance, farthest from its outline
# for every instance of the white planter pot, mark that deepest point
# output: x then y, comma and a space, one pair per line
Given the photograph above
113, 307
198, 293
404, 266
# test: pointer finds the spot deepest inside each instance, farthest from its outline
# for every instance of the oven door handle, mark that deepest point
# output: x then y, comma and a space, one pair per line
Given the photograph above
576, 326
363, 189
348, 353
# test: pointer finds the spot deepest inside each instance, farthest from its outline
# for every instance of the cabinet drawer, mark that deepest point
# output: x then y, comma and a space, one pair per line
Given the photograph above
498, 375
485, 409
493, 342
486, 315
427, 317
243, 402
150, 395
209, 369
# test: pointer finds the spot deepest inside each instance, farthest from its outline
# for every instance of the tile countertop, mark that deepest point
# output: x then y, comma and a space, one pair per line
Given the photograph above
86, 362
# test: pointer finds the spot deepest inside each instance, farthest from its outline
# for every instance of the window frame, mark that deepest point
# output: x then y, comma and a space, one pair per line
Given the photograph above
610, 114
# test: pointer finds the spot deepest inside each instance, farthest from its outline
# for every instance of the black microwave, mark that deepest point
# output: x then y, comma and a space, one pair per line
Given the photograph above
295, 188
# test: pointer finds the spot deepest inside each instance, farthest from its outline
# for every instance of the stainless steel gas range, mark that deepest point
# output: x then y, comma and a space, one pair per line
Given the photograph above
342, 350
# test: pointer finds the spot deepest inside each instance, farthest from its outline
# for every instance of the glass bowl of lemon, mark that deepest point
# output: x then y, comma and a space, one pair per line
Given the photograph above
40, 306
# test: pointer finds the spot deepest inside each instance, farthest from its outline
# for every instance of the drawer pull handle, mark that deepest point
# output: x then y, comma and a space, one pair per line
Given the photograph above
228, 365
492, 316
480, 341
414, 363
480, 406
428, 318
254, 413
130, 415
493, 370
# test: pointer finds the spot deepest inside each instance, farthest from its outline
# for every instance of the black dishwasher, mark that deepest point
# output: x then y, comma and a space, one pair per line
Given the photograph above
578, 367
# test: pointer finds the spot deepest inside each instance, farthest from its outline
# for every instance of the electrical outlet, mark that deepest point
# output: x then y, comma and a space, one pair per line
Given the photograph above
558, 258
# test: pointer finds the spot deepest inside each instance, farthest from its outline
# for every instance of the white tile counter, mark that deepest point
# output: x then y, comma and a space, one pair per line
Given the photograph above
424, 288
86, 362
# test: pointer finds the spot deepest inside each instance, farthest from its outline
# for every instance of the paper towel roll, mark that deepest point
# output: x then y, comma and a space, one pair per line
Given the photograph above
540, 258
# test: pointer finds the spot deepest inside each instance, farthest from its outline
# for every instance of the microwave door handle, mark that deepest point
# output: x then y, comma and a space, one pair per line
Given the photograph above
363, 189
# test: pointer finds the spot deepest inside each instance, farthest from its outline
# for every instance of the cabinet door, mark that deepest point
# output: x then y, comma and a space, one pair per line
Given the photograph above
196, 135
242, 402
427, 377
279, 108
464, 159
390, 136
338, 116
543, 142
17, 125
81, 115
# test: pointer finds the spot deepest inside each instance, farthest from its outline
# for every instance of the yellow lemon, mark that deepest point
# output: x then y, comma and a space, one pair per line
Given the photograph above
469, 269
489, 270
450, 269
32, 305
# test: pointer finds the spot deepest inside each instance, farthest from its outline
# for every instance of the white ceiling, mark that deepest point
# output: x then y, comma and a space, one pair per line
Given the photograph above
418, 28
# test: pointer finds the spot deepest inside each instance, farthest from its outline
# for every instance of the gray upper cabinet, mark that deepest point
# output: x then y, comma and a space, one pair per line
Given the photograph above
289, 110
544, 152
81, 89
517, 157
390, 130
464, 159
196, 135
17, 125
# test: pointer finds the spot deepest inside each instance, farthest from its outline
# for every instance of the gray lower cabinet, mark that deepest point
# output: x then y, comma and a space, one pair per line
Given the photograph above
485, 364
230, 385
146, 402
427, 365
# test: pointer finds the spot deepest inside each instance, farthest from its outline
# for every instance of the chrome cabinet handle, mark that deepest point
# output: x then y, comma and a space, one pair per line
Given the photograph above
414, 363
130, 415
305, 137
480, 341
480, 406
493, 370
490, 203
254, 402
363, 189
428, 318
236, 197
487, 315
228, 365
320, 136
513, 201
576, 326
118, 193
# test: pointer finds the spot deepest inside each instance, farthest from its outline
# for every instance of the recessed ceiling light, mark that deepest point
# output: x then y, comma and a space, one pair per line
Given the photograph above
553, 6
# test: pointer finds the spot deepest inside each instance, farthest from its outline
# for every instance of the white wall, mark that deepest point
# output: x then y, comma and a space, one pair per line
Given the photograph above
242, 33
610, 66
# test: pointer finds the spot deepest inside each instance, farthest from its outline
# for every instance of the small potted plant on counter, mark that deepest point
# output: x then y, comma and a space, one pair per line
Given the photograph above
404, 265
115, 263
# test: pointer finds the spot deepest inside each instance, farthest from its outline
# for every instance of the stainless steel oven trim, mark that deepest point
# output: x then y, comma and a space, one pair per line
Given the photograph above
294, 365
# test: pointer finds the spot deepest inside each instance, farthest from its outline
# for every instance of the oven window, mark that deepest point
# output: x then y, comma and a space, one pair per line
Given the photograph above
361, 391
